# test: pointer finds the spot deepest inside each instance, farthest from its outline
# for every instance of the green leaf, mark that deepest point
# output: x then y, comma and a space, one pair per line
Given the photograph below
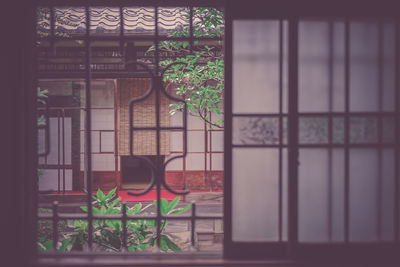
64, 245
97, 211
140, 236
143, 246
171, 245
163, 243
48, 244
84, 208
151, 223
100, 194
103, 210
185, 44
218, 111
163, 206
178, 211
115, 202
173, 204
137, 208
116, 224
132, 248
111, 194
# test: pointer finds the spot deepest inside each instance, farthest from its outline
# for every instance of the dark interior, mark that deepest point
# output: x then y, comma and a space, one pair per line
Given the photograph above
135, 170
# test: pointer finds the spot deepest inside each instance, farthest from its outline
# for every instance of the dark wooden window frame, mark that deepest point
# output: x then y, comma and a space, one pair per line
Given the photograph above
275, 9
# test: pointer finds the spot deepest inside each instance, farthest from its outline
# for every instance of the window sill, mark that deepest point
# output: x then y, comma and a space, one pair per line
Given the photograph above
155, 260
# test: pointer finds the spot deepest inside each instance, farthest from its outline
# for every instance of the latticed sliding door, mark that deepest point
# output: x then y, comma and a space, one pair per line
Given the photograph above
312, 158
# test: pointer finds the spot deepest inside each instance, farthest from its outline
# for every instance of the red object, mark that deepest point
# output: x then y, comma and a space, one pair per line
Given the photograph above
150, 196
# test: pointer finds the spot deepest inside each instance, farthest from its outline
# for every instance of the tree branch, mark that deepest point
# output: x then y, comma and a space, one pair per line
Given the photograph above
209, 122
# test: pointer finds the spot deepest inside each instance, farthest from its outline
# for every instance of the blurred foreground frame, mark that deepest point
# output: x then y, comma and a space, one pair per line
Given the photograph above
365, 137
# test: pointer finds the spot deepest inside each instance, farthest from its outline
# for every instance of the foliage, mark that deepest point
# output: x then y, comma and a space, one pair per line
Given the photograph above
197, 74
107, 234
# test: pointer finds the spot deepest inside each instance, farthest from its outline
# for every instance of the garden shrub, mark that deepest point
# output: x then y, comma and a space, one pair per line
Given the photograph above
107, 234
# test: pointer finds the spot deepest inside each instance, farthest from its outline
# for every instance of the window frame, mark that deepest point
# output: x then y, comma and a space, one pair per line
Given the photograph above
276, 9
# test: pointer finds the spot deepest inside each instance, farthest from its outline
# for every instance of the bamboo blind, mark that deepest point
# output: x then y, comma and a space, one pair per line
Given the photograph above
144, 115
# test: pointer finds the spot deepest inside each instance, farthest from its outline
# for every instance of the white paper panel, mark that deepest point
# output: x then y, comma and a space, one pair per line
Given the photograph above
255, 66
321, 191
255, 182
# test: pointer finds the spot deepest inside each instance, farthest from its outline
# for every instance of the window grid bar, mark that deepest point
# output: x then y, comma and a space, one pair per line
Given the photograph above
346, 129
124, 228
280, 207
58, 151
342, 145
321, 114
55, 225
63, 147
379, 186
52, 26
191, 29
330, 132
121, 33
157, 89
84, 216
293, 136
128, 38
397, 135
112, 3
130, 254
88, 130
193, 226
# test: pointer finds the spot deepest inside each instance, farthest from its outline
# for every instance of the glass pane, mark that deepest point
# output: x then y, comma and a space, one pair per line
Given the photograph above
313, 130
321, 195
69, 21
321, 65
43, 21
256, 130
104, 20
364, 66
371, 194
388, 129
173, 21
338, 130
363, 130
255, 179
139, 20
255, 66
372, 73
387, 202
388, 69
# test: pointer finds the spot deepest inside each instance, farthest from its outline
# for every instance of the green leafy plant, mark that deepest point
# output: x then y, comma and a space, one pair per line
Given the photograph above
107, 234
197, 75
